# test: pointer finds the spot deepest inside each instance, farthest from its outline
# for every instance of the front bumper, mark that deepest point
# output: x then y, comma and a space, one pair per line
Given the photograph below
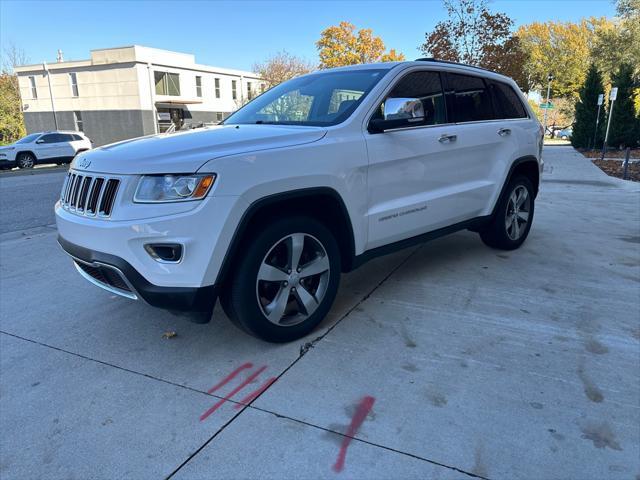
7, 163
118, 276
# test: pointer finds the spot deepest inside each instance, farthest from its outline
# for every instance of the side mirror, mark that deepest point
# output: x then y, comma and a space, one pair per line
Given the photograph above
398, 113
40, 141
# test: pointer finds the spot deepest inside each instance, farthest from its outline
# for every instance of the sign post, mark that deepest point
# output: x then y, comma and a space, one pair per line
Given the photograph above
544, 124
595, 133
612, 96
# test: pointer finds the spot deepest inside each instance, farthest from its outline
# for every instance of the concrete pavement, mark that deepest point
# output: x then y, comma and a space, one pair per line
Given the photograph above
477, 363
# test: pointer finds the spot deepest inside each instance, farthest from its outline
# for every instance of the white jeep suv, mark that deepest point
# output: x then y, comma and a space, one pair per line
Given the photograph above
45, 147
310, 179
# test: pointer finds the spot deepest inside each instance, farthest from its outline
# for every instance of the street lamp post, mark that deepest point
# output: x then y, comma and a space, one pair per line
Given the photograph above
53, 105
544, 124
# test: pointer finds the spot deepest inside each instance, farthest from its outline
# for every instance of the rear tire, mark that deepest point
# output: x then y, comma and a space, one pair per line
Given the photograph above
285, 280
512, 219
26, 160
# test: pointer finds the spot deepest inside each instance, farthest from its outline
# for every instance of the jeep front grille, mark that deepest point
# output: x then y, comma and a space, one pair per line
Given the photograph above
89, 195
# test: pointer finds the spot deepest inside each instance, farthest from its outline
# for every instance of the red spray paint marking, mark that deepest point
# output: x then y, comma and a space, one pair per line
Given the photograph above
246, 382
230, 377
246, 400
363, 409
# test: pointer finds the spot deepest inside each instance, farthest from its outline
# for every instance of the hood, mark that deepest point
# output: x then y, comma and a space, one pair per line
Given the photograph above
186, 152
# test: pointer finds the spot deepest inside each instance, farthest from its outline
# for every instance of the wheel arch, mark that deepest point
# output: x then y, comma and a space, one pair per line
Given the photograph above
322, 203
527, 166
26, 151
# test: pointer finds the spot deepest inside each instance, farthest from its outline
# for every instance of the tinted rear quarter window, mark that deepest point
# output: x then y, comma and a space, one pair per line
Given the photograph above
468, 98
507, 102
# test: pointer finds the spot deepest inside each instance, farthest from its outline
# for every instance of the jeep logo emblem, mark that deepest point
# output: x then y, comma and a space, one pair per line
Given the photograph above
84, 163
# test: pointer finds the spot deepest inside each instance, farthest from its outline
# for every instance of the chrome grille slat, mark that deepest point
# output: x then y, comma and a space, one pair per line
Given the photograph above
64, 187
74, 193
70, 187
84, 191
109, 196
94, 196
89, 195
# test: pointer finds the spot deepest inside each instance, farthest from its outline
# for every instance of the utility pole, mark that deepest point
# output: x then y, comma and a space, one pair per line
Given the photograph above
154, 109
53, 106
595, 133
612, 96
544, 125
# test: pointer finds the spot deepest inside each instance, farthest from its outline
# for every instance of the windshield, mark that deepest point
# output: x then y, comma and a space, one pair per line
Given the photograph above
317, 100
29, 138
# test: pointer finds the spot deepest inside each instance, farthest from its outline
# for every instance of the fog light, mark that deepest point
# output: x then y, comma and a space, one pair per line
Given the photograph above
164, 252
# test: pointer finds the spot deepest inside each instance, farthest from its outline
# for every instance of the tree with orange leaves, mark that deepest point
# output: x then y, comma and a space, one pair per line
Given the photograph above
341, 45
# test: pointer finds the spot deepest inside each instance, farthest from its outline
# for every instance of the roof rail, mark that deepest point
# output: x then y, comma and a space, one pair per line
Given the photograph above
431, 59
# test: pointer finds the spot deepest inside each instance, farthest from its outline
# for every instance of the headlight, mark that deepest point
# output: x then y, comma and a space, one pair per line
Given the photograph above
172, 188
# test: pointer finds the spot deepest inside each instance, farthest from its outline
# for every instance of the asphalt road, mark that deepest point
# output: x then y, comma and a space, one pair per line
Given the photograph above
27, 199
444, 361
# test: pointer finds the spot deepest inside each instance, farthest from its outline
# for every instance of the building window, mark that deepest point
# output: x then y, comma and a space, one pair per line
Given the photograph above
234, 89
249, 90
263, 87
77, 118
167, 83
199, 86
219, 116
34, 91
74, 84
217, 87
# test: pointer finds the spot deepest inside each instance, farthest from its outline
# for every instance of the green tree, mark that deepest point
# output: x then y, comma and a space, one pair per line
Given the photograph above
11, 118
340, 45
586, 111
625, 126
562, 49
619, 41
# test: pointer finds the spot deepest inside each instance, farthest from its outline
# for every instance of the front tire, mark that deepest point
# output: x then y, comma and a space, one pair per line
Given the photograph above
26, 160
285, 281
512, 219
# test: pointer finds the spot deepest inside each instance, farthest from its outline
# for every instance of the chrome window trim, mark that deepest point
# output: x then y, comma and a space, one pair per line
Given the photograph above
403, 73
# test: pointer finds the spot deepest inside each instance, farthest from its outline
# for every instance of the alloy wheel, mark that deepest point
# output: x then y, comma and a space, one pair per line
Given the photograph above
518, 212
292, 279
26, 161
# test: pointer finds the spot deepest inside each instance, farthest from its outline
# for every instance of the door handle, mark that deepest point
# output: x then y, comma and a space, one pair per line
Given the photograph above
447, 138
503, 132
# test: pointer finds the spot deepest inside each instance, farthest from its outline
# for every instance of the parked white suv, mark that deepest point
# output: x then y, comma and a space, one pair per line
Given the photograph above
45, 147
310, 179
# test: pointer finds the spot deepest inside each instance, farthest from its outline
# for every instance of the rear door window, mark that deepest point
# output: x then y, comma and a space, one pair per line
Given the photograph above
506, 101
468, 98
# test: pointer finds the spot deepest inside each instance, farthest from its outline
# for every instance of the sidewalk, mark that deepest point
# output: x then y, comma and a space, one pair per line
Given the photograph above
449, 360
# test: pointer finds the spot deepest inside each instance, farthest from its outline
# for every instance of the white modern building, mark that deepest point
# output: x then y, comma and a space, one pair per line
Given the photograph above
127, 92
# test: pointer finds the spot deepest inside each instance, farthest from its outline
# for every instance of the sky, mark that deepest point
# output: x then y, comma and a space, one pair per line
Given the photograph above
237, 34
